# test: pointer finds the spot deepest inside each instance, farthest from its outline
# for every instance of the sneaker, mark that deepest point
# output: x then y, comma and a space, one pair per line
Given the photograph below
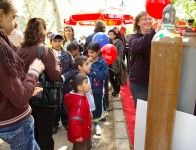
114, 94
94, 145
104, 114
64, 126
54, 130
103, 119
98, 130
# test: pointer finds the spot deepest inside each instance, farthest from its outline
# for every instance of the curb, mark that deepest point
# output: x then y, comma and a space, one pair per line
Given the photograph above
121, 135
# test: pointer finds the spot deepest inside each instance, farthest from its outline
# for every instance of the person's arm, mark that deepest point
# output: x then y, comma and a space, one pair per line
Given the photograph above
100, 73
120, 48
69, 75
68, 68
52, 64
139, 44
16, 91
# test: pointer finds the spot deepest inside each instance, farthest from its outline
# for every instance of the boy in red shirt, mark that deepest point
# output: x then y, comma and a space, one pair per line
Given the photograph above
79, 116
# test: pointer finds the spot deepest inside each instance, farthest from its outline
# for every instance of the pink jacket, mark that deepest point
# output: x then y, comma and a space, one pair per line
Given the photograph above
79, 118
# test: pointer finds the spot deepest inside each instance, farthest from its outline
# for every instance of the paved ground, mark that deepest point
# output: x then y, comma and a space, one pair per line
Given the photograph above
114, 132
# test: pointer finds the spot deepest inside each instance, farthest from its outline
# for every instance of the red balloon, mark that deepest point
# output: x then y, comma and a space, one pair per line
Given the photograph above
155, 7
109, 53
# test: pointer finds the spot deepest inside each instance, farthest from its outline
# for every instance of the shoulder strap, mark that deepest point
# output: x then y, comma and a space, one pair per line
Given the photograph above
42, 77
40, 51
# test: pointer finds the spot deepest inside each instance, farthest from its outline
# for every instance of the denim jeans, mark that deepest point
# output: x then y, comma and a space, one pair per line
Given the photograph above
106, 96
139, 91
21, 135
98, 104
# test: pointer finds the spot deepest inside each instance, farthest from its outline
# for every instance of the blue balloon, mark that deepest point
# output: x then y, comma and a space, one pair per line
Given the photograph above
101, 38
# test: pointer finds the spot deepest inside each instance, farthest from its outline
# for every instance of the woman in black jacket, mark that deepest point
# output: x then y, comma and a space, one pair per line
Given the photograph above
140, 47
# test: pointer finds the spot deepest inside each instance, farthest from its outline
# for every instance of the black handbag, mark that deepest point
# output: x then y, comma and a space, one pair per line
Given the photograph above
52, 93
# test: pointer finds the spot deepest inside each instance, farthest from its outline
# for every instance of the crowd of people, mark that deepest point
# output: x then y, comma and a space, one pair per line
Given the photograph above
78, 64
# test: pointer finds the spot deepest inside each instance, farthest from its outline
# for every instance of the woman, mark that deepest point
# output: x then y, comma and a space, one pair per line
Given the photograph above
100, 26
34, 37
120, 48
16, 122
69, 36
140, 44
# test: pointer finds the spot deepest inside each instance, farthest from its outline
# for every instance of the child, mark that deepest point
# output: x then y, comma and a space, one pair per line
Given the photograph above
97, 75
68, 72
74, 49
79, 125
84, 67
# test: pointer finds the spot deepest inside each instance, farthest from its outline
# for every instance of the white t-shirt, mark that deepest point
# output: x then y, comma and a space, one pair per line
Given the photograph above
90, 98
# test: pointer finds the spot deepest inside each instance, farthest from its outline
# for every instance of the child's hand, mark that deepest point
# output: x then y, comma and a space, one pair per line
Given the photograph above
89, 60
91, 115
79, 139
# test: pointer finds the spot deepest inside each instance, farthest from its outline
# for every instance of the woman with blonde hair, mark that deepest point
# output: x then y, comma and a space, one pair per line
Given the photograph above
140, 47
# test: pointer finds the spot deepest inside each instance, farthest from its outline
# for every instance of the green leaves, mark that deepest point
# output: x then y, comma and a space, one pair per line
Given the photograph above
186, 9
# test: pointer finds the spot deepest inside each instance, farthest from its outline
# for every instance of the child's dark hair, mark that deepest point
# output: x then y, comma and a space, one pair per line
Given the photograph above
72, 46
114, 32
77, 80
94, 46
79, 61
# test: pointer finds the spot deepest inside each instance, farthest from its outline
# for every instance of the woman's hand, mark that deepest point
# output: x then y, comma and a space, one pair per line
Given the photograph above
159, 25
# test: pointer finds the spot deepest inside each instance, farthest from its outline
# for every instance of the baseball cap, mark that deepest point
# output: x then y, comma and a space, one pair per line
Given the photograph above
54, 36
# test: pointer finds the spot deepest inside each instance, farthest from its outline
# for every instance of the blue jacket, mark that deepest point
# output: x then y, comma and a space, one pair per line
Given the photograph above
98, 74
68, 70
88, 40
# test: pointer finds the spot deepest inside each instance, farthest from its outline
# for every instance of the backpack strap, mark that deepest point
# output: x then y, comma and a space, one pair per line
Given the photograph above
42, 76
40, 51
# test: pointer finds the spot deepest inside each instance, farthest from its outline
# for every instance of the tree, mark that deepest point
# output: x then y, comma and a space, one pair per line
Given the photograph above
57, 15
45, 9
186, 8
37, 8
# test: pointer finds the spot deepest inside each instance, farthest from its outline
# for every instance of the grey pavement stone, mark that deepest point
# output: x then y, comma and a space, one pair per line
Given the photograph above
119, 115
117, 105
122, 144
121, 135
120, 130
